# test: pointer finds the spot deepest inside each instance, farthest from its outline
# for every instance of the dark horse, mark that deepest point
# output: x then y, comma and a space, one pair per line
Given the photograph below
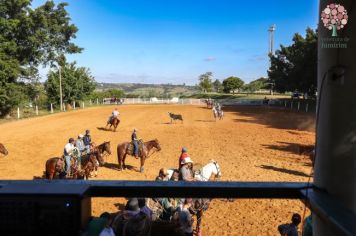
113, 122
102, 150
89, 163
3, 150
123, 150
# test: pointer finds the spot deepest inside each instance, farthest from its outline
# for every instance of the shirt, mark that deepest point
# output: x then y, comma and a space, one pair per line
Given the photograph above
115, 113
68, 149
107, 232
185, 220
133, 136
80, 144
185, 173
87, 140
182, 157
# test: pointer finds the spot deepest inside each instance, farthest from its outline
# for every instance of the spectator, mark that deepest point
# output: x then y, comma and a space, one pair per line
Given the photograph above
162, 175
96, 225
185, 218
292, 228
107, 231
138, 226
307, 229
132, 210
144, 208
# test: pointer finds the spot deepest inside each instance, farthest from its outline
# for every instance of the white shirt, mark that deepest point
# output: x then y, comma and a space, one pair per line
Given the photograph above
115, 113
107, 232
69, 148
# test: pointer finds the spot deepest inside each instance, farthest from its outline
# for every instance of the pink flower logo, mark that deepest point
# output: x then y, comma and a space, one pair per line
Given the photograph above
334, 17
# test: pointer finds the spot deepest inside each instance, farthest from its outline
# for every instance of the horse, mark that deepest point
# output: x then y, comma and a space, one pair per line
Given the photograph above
54, 165
209, 103
103, 149
202, 204
3, 150
207, 171
221, 114
175, 117
113, 122
123, 150
215, 113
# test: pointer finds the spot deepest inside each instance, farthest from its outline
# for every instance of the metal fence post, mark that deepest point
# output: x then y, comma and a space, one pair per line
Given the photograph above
74, 105
298, 106
51, 108
18, 112
83, 104
97, 101
285, 103
36, 110
306, 107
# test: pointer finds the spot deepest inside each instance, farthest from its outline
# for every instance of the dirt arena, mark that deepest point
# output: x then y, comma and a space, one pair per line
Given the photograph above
250, 144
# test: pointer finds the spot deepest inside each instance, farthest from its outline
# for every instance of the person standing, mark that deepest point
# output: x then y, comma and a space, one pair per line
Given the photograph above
68, 152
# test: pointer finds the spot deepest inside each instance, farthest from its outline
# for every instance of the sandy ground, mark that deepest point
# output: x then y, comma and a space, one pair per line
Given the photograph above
250, 144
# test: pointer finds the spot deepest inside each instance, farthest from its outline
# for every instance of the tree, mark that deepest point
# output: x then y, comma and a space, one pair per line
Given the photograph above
28, 38
205, 82
295, 67
77, 84
334, 17
231, 84
217, 86
256, 85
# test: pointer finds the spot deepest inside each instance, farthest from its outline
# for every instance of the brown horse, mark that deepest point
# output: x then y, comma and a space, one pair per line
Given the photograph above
103, 149
123, 150
3, 150
113, 122
55, 165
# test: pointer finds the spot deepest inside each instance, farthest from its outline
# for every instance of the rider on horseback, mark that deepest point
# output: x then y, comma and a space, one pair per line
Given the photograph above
183, 155
115, 114
87, 140
186, 171
134, 140
81, 148
68, 152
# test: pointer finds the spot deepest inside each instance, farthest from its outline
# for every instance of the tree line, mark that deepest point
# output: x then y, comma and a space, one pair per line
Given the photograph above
231, 84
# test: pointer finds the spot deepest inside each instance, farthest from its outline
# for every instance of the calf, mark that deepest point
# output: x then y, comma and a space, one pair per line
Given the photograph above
175, 117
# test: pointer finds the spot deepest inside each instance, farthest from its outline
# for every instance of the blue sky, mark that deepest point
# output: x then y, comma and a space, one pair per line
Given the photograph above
174, 41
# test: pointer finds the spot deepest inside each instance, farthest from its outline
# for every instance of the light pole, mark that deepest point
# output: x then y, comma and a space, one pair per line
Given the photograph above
60, 87
271, 30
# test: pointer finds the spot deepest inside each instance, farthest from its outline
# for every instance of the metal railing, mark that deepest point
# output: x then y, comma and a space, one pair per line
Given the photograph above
322, 204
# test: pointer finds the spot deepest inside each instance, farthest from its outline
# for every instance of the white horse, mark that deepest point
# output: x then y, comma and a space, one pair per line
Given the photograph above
207, 171
221, 114
203, 174
215, 112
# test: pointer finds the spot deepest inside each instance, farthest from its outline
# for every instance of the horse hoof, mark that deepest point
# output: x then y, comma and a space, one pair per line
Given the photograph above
141, 170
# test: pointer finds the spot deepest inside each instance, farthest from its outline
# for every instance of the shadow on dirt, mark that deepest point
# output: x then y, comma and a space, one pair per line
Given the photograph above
273, 117
283, 170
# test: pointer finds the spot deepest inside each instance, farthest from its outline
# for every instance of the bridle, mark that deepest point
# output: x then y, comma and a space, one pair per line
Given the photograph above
218, 174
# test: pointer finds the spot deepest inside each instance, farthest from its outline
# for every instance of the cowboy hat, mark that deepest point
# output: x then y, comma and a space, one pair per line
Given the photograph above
186, 160
184, 149
81, 136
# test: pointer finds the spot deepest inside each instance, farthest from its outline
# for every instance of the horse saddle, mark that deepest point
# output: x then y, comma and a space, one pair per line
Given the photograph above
130, 148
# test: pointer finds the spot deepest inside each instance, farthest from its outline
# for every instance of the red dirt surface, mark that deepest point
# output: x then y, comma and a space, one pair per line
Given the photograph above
250, 144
